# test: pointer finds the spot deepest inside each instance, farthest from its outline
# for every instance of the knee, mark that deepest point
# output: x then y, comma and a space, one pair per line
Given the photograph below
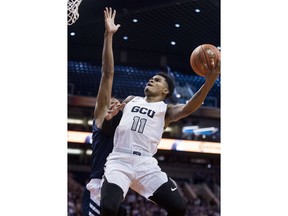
178, 209
108, 207
122, 211
111, 197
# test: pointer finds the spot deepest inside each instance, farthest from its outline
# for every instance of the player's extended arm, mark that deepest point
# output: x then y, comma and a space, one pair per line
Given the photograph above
105, 87
179, 111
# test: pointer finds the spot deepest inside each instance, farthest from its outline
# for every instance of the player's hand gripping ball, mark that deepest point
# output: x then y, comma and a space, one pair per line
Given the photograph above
201, 58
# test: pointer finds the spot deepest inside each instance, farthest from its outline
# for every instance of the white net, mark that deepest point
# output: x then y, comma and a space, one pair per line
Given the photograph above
73, 15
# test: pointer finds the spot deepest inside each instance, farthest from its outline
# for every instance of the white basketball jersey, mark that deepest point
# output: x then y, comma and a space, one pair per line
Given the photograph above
141, 126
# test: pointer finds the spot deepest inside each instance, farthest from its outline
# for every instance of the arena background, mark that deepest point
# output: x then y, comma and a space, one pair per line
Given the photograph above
190, 149
34, 108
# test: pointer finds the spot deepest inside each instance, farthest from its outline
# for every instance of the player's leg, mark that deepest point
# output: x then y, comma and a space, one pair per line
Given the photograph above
111, 198
91, 200
116, 183
122, 211
154, 184
94, 187
168, 197
85, 202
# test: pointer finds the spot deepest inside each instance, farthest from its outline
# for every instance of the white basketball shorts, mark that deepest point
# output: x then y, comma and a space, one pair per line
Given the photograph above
139, 172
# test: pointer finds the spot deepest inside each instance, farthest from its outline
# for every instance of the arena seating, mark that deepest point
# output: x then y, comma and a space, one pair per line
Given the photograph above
84, 78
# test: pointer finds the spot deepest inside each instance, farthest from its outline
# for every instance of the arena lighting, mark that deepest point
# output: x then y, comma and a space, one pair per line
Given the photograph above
199, 160
165, 144
79, 121
75, 121
88, 152
74, 151
189, 146
189, 129
205, 131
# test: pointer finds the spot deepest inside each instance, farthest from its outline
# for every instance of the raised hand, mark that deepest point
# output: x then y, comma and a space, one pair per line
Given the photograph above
109, 17
113, 110
213, 73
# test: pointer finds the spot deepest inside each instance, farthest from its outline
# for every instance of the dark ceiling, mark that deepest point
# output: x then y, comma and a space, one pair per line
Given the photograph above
149, 39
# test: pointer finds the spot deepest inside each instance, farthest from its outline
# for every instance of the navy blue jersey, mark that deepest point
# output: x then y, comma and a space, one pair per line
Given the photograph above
102, 144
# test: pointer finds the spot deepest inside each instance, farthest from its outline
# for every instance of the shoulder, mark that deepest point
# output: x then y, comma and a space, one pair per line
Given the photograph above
128, 99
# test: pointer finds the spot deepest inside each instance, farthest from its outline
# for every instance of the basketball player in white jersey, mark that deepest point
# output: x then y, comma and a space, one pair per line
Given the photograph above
131, 163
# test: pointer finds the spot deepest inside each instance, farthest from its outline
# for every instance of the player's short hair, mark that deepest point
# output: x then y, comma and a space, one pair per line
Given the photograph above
170, 82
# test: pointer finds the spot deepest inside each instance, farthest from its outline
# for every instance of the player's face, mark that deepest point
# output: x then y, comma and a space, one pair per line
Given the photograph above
114, 101
156, 86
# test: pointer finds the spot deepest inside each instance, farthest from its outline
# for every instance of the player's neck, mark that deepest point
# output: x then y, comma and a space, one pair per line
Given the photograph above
151, 99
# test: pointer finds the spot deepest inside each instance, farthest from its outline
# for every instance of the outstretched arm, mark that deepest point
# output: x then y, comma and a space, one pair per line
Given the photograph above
105, 87
179, 111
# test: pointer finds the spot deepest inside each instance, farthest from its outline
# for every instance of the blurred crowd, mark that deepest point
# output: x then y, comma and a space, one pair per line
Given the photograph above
136, 205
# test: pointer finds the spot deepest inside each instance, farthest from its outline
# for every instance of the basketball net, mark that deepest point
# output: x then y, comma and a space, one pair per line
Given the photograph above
73, 15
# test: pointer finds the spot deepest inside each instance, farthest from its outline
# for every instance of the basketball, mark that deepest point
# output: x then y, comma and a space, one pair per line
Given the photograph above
202, 55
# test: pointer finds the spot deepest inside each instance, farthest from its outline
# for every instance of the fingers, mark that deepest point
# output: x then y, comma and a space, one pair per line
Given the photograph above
105, 14
212, 62
108, 13
114, 13
214, 66
205, 67
218, 67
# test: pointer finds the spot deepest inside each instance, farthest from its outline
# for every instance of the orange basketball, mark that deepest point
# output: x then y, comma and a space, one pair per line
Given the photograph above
202, 55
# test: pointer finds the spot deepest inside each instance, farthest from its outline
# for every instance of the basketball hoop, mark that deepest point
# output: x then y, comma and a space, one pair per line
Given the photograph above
73, 15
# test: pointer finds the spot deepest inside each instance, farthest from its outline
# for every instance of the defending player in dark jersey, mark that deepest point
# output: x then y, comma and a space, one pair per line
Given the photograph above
102, 144
105, 108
